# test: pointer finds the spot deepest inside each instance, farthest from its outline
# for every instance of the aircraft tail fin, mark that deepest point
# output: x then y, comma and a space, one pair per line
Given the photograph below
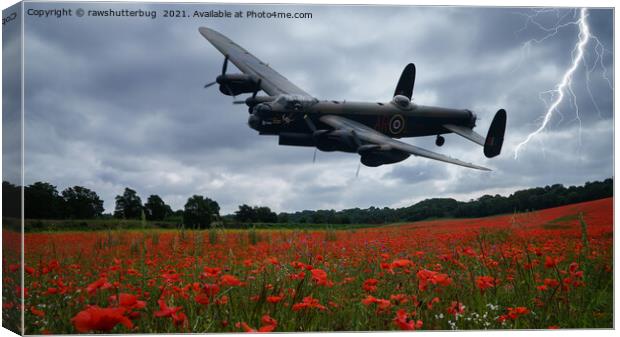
495, 137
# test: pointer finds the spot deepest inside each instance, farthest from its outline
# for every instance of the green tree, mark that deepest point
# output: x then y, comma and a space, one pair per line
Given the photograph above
200, 212
81, 203
128, 205
156, 209
42, 201
245, 214
264, 214
11, 200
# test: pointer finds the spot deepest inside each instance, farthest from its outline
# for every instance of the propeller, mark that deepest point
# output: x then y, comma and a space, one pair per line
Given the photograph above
250, 101
357, 173
312, 128
406, 82
356, 139
310, 123
224, 67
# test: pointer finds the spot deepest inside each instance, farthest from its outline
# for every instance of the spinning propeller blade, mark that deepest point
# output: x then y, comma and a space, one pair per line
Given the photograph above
224, 67
310, 123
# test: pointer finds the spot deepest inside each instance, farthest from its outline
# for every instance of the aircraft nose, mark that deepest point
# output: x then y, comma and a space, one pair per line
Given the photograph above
472, 118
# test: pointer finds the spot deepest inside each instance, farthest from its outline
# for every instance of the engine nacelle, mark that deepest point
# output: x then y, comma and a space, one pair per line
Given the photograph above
334, 140
235, 84
263, 110
255, 122
375, 155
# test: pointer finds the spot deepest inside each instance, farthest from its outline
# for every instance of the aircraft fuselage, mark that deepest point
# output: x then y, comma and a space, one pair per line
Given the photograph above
387, 118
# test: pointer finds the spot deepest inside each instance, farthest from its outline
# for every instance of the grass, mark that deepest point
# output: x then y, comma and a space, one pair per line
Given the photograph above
43, 225
562, 222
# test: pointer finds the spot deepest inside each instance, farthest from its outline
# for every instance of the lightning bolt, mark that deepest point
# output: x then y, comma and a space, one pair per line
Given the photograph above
564, 88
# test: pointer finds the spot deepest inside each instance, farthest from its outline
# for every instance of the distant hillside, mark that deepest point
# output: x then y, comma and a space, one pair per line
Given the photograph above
520, 201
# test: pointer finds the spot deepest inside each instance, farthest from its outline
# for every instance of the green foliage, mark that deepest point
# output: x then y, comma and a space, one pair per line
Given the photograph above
253, 236
255, 214
128, 205
213, 236
11, 200
156, 209
93, 224
519, 201
200, 212
330, 234
81, 203
42, 201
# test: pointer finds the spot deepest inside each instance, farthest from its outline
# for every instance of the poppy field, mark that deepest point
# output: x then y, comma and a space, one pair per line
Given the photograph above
538, 270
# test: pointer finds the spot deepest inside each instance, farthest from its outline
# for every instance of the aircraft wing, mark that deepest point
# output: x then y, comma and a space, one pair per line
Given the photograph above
466, 133
271, 81
371, 136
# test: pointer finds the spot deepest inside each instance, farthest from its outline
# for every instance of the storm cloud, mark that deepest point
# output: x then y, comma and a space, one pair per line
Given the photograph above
116, 102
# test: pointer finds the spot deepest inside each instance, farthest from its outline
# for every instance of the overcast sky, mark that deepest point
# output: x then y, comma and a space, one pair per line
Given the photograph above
116, 102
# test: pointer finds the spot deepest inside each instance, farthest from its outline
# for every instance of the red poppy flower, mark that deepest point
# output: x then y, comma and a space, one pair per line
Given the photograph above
230, 280
382, 304
401, 320
370, 285
101, 283
128, 301
180, 319
399, 298
432, 302
427, 276
456, 308
37, 312
552, 262
307, 303
202, 298
549, 282
514, 313
269, 324
402, 263
100, 319
222, 300
274, 299
165, 310
485, 282
211, 289
320, 277
299, 276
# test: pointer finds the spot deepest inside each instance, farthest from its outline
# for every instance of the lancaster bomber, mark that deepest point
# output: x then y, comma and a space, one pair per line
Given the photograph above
366, 128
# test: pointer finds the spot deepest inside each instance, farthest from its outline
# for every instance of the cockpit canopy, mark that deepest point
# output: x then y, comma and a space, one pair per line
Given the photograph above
295, 102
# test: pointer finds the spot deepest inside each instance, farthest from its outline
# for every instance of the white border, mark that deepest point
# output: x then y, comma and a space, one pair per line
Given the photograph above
482, 3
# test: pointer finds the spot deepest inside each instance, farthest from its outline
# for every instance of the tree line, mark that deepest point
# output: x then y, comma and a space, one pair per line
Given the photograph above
43, 201
519, 201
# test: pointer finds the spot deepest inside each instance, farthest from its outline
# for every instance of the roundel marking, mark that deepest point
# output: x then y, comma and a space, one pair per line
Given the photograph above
397, 124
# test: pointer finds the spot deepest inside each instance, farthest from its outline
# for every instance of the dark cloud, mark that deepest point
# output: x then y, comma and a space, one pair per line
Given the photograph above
114, 102
11, 96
